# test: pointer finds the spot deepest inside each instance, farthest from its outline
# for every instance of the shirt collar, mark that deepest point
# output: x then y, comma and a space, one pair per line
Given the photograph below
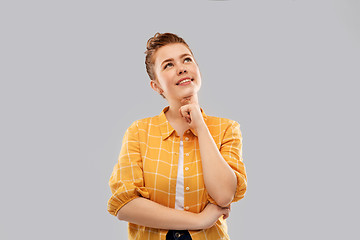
165, 127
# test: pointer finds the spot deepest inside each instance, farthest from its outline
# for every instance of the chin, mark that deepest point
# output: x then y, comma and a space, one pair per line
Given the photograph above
188, 94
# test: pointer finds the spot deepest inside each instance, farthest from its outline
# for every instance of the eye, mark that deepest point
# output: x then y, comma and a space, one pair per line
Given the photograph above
167, 65
188, 59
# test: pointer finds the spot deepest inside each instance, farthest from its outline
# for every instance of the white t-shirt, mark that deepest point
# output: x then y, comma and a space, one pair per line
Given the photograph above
179, 198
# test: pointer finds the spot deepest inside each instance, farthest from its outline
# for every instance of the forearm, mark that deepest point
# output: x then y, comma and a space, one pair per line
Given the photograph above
145, 212
220, 180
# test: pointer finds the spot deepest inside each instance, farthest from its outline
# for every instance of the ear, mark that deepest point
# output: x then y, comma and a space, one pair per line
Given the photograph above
155, 85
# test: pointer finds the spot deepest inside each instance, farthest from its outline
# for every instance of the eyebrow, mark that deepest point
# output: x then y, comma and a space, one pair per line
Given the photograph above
171, 59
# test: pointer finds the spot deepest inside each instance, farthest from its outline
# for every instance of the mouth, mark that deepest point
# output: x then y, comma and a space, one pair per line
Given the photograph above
184, 80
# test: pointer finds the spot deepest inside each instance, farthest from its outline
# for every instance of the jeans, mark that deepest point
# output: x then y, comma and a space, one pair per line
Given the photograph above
178, 235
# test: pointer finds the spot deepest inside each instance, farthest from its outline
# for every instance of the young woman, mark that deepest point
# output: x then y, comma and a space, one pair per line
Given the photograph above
177, 172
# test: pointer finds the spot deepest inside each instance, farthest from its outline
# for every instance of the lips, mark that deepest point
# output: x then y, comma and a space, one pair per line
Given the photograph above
183, 80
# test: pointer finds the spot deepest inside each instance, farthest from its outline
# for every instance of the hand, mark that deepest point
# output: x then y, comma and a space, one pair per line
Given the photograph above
190, 110
211, 214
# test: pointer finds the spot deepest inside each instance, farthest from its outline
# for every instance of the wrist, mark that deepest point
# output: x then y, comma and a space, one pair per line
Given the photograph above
202, 129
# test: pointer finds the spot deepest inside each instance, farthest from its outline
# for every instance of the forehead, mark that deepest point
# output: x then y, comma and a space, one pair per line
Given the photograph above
173, 50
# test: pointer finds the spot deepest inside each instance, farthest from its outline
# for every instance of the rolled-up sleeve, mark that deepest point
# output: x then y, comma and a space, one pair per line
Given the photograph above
126, 181
231, 150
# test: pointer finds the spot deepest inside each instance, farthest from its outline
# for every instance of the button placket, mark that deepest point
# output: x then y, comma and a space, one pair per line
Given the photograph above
187, 154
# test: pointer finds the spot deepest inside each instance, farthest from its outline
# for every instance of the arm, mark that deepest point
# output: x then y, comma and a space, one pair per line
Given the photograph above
220, 179
130, 202
147, 213
224, 170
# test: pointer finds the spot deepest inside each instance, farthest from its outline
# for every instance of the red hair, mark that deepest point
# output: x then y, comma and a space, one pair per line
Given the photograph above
154, 43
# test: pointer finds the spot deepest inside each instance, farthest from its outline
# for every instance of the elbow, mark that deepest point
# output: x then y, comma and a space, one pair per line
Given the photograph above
119, 215
126, 211
122, 214
226, 197
225, 201
228, 193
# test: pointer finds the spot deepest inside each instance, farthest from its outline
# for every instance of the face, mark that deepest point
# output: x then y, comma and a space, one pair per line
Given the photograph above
176, 72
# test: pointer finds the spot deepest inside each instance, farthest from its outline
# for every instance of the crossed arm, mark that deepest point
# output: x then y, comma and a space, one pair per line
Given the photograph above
148, 213
220, 182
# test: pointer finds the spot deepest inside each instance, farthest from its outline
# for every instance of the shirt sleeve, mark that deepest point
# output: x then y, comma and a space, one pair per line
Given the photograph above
231, 150
126, 181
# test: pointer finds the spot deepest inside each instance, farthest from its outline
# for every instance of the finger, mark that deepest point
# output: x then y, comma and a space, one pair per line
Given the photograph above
227, 214
185, 113
180, 112
188, 119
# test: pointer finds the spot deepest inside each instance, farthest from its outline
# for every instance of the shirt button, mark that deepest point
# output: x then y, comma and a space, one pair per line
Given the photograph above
187, 208
187, 188
186, 168
187, 154
186, 139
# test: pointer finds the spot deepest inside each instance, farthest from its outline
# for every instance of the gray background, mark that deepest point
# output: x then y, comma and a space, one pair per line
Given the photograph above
73, 79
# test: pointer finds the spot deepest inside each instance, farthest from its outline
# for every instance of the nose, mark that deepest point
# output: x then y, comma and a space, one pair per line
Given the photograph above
181, 70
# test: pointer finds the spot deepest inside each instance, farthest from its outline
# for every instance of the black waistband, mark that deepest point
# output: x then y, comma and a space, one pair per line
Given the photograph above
178, 235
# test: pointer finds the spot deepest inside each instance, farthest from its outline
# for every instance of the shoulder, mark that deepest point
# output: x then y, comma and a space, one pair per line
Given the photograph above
144, 123
223, 129
221, 122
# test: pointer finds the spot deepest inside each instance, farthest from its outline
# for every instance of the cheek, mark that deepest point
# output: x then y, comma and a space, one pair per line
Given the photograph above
197, 71
166, 80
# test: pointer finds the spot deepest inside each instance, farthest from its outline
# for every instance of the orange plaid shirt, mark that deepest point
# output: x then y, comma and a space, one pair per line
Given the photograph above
148, 163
